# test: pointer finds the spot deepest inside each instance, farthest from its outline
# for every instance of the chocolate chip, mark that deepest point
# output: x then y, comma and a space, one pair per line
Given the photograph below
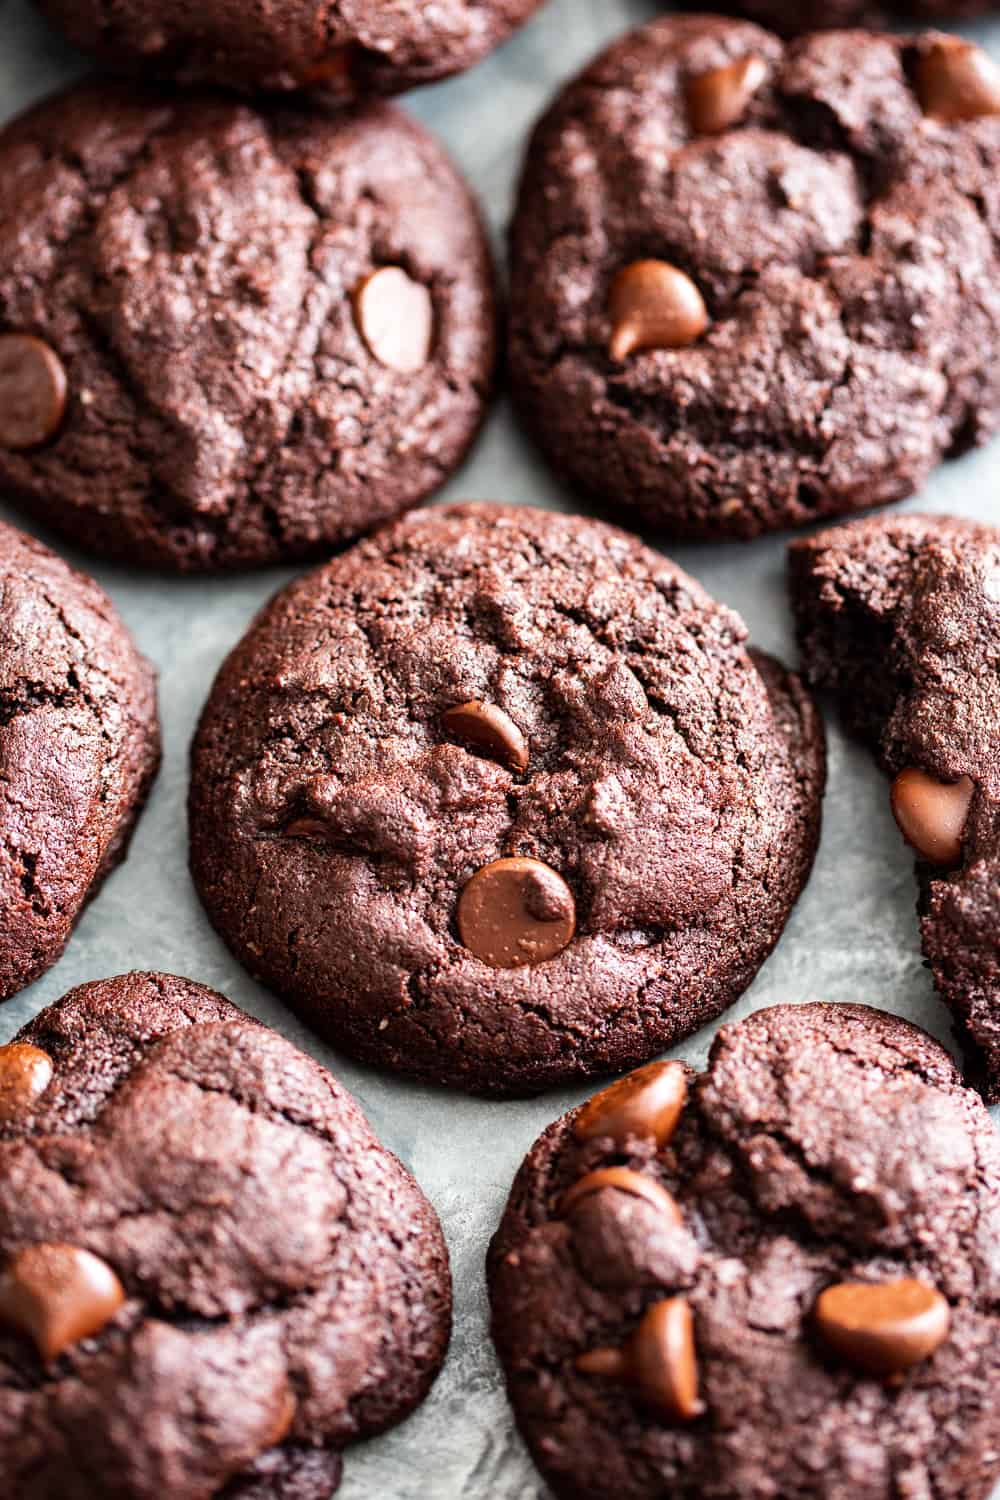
718, 99
956, 80
395, 317
932, 814
57, 1295
488, 728
653, 305
516, 911
658, 1361
622, 1180
883, 1328
647, 1102
25, 1074
32, 391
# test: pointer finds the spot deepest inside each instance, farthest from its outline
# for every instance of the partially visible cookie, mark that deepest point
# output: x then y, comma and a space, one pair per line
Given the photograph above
500, 798
754, 285
777, 1278
79, 747
233, 334
900, 619
794, 16
349, 50
212, 1276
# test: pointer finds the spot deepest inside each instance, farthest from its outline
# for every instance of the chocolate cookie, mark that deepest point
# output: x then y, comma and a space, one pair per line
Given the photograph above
900, 619
791, 16
347, 50
233, 335
79, 747
500, 798
212, 1275
754, 285
777, 1278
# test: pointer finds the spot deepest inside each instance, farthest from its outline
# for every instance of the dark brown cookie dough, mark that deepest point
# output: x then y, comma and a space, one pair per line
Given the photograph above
231, 335
79, 747
790, 1292
230, 1278
900, 619
586, 863
345, 50
824, 321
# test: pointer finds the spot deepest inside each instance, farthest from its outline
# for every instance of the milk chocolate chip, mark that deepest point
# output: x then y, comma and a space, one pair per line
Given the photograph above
57, 1295
488, 728
622, 1180
25, 1074
658, 1361
647, 1102
32, 391
883, 1328
516, 911
653, 305
718, 99
932, 814
395, 317
957, 81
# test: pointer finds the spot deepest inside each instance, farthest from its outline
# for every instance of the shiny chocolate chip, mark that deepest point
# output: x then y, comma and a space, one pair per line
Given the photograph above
516, 911
659, 1361
653, 305
718, 99
57, 1295
882, 1328
648, 1102
932, 814
488, 728
33, 390
25, 1074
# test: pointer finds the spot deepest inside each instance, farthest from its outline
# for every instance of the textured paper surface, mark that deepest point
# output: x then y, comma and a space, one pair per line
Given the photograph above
852, 937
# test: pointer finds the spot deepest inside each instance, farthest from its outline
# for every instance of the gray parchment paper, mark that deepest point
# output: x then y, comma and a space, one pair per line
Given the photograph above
852, 937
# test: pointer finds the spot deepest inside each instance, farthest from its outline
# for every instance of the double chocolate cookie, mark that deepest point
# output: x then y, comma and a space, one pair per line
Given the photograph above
753, 284
79, 747
349, 49
231, 335
777, 1278
500, 798
791, 16
212, 1275
900, 619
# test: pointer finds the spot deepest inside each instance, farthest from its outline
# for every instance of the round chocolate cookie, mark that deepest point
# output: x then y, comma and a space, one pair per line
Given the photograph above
212, 1275
754, 285
79, 747
500, 798
792, 16
231, 335
347, 50
776, 1279
899, 618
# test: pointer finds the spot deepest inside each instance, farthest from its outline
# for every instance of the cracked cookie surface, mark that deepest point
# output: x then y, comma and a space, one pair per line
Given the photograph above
822, 1144
597, 877
845, 246
339, 48
286, 1284
79, 747
899, 618
196, 266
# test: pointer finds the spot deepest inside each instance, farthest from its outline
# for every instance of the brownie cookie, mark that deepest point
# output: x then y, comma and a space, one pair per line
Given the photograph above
79, 747
791, 16
753, 285
776, 1279
900, 619
347, 50
233, 335
212, 1275
500, 798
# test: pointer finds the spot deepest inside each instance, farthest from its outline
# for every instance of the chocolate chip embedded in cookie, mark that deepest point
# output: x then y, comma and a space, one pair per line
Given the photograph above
757, 284
900, 619
213, 1278
233, 334
342, 51
499, 798
816, 1315
79, 747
